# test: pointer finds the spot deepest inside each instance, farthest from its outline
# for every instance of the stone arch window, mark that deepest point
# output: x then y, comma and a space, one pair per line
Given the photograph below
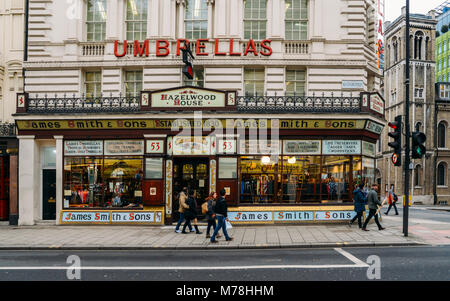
418, 175
442, 131
395, 50
442, 174
418, 45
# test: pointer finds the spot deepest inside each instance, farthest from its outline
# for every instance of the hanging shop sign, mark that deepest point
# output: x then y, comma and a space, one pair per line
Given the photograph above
83, 148
168, 124
191, 145
163, 48
368, 149
341, 147
186, 98
124, 147
155, 146
301, 147
374, 127
377, 104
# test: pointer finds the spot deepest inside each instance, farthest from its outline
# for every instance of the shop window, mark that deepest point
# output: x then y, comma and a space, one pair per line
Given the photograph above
259, 179
334, 183
83, 180
196, 20
301, 179
136, 20
295, 82
198, 78
154, 168
254, 82
227, 168
255, 19
133, 83
296, 19
93, 84
96, 20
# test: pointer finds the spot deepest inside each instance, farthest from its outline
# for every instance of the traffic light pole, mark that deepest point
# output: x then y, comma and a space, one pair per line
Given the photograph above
407, 132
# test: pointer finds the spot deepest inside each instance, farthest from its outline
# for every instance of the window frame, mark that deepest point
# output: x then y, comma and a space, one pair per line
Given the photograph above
85, 83
194, 81
143, 21
134, 82
190, 34
295, 82
443, 137
254, 81
95, 22
444, 178
300, 20
260, 21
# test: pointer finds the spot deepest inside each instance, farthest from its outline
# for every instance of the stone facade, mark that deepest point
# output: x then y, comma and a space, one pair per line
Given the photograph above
422, 99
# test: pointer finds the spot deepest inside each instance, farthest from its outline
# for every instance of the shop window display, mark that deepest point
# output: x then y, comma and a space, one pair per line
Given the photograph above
83, 182
259, 179
335, 178
123, 182
301, 179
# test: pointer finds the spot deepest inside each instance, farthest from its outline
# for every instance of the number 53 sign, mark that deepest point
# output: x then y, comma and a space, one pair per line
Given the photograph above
226, 146
155, 146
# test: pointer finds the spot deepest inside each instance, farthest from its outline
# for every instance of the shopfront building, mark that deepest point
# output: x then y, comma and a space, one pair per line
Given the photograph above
274, 167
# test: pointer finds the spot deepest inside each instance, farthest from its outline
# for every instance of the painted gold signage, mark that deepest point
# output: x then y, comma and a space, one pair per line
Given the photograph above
134, 124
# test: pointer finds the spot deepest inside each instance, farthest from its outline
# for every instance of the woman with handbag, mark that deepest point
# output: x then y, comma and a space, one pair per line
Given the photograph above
191, 213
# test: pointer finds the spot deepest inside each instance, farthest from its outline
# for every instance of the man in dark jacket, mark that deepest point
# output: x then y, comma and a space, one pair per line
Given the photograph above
221, 211
190, 214
372, 199
360, 204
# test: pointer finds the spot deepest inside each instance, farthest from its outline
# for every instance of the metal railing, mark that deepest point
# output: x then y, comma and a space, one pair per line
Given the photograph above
251, 104
83, 104
8, 130
286, 104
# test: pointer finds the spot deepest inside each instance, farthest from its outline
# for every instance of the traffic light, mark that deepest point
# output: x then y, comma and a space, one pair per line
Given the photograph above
418, 149
188, 59
397, 143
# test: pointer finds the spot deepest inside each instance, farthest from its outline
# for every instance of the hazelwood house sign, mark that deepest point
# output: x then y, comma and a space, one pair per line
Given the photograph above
162, 48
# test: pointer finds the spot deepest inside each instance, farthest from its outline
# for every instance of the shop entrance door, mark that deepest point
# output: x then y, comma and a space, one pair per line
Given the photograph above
192, 173
49, 194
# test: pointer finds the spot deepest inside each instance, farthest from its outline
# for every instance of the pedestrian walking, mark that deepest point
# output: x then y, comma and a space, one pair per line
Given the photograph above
392, 199
190, 214
182, 197
210, 215
374, 202
360, 200
221, 211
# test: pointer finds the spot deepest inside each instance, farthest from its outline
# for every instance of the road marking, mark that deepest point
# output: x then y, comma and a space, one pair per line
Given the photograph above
352, 258
192, 268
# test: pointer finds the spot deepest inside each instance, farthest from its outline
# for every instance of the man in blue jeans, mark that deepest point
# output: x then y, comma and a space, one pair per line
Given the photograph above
221, 211
182, 197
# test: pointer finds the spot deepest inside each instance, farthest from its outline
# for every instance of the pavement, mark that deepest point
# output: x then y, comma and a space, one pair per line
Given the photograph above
46, 236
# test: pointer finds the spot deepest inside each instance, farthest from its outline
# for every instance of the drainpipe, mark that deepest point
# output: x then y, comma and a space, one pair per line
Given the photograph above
435, 141
25, 49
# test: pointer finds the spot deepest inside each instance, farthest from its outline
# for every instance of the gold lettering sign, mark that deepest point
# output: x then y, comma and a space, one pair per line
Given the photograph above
134, 124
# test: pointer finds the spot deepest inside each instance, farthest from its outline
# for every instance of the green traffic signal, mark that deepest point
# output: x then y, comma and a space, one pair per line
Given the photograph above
418, 149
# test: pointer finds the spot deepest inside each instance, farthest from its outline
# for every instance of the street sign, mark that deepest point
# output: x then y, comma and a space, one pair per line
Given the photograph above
394, 158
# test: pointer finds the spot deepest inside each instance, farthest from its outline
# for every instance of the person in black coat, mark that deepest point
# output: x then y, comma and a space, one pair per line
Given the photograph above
221, 211
191, 213
360, 204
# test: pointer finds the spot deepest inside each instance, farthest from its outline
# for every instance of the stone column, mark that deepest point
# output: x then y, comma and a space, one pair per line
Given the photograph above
13, 208
59, 176
181, 9
28, 192
210, 18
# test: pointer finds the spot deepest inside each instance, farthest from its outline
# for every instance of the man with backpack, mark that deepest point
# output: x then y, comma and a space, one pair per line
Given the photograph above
392, 199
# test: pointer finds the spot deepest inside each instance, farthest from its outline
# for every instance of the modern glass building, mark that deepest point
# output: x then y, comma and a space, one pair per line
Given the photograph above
442, 42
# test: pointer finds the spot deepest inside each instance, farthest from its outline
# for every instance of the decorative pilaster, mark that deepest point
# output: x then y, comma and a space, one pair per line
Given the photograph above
59, 176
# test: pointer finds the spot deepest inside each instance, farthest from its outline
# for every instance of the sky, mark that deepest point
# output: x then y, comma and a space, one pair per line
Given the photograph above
394, 7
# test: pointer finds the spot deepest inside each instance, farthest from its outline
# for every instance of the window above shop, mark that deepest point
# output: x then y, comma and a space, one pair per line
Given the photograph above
96, 20
136, 19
